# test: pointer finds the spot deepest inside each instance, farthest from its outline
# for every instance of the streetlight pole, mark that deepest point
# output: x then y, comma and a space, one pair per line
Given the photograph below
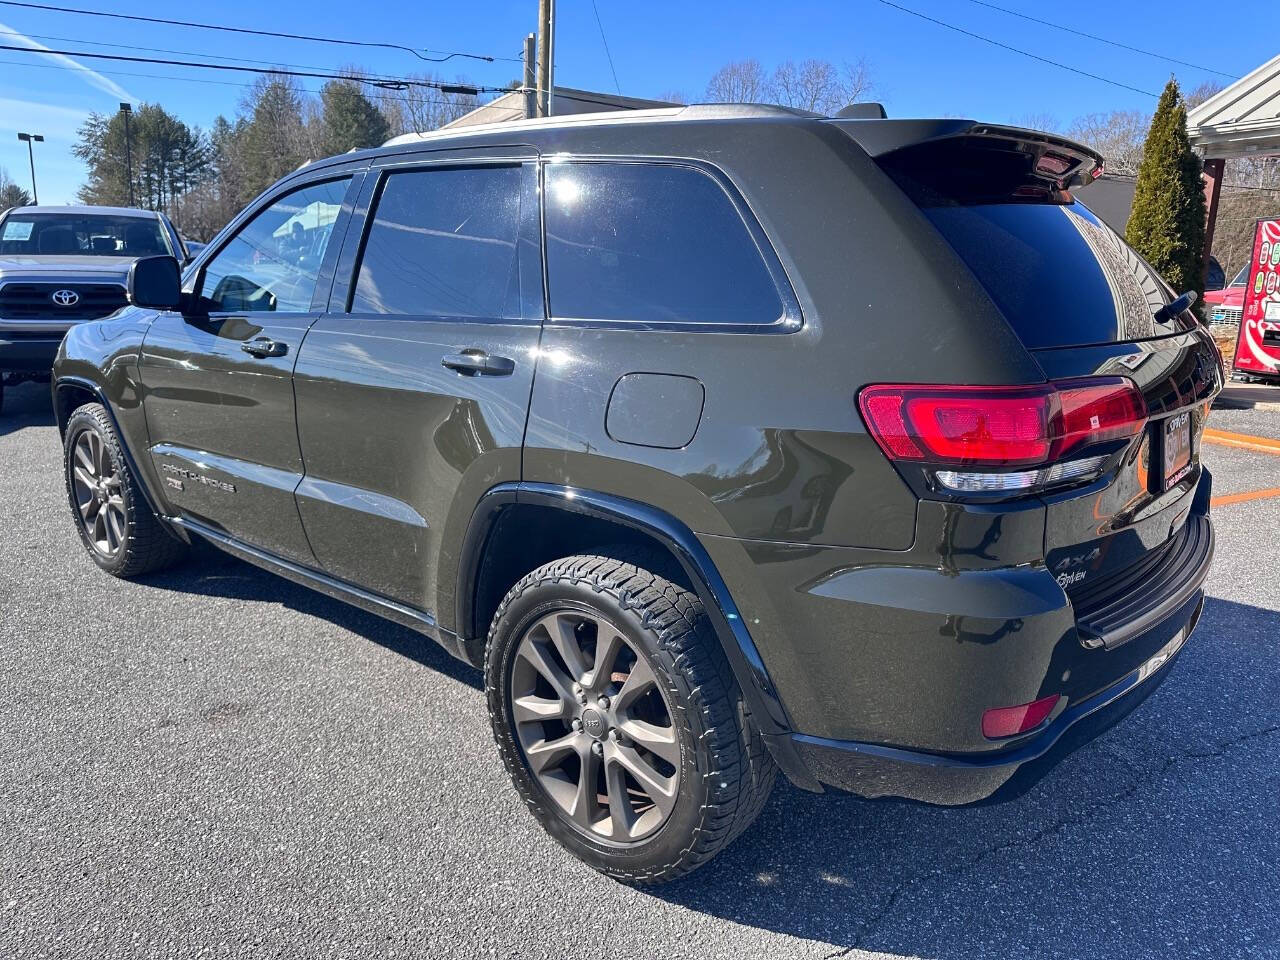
127, 110
31, 155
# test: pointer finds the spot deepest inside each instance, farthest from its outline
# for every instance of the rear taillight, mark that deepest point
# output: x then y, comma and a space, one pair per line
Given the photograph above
1032, 436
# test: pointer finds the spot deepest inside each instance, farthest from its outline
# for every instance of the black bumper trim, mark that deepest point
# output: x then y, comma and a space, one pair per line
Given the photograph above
1131, 603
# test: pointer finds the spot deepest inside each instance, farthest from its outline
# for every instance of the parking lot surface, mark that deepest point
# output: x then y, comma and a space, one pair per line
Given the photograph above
215, 762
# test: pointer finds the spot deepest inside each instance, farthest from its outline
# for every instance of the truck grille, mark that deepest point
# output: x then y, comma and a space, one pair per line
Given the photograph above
34, 301
1221, 314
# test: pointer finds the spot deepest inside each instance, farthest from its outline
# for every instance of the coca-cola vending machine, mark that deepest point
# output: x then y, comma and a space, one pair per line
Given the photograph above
1258, 343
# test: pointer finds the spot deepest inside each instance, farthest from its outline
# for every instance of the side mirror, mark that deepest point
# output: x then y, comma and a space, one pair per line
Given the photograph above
155, 282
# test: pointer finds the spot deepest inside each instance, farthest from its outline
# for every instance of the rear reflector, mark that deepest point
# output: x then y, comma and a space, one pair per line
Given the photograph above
1010, 721
1000, 426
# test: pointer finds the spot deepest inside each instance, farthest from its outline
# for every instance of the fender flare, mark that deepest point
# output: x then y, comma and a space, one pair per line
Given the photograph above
130, 461
762, 698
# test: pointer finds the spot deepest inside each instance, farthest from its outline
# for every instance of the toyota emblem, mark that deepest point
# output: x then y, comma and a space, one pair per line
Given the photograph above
65, 298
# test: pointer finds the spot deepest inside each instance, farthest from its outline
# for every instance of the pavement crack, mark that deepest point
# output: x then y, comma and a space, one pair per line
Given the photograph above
975, 860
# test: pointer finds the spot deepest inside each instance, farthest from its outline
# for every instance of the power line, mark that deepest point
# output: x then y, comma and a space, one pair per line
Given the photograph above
381, 94
1005, 46
606, 47
389, 83
1113, 43
187, 53
260, 33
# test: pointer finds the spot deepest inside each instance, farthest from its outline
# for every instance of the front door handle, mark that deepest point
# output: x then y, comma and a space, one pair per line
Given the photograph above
474, 362
265, 347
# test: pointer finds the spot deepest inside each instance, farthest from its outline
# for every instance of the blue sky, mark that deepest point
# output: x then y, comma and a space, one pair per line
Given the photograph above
919, 68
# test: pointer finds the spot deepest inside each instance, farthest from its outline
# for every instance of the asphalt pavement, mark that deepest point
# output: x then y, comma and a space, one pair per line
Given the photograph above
214, 762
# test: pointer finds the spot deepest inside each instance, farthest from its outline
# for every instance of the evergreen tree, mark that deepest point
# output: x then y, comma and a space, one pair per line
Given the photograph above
274, 140
1166, 225
349, 119
165, 156
11, 195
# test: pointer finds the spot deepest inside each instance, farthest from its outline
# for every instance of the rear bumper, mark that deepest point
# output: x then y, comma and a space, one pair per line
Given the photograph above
886, 662
28, 354
871, 770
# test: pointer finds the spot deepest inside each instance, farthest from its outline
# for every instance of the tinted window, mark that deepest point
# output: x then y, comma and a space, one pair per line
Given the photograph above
82, 235
651, 243
1060, 275
444, 243
271, 264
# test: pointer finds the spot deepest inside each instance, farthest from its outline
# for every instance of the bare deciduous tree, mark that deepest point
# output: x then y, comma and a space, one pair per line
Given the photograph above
742, 81
1117, 135
816, 85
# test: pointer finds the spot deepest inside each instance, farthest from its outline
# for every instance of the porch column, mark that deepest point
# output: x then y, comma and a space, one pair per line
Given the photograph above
1213, 168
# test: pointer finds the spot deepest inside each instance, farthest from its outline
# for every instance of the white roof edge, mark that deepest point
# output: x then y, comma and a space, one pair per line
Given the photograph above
1236, 93
537, 123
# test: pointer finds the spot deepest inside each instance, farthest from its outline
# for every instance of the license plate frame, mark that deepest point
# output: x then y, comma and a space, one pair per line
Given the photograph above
1177, 454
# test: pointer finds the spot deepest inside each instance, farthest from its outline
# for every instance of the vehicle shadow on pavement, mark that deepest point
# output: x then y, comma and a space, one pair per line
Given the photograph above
215, 574
1158, 839
26, 406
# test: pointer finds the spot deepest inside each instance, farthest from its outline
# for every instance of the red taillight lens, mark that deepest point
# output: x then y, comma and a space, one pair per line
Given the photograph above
1000, 426
1096, 410
1010, 721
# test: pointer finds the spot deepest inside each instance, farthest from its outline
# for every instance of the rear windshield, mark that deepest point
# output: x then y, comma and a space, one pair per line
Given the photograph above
1059, 274
82, 235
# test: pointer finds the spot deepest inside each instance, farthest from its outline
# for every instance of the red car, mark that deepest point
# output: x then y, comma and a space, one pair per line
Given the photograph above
1227, 305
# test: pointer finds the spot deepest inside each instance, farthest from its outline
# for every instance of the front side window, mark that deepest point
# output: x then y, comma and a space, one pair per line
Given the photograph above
444, 242
82, 235
651, 243
272, 263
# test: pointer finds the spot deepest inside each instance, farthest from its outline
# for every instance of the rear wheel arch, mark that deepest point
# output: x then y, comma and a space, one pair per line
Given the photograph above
518, 527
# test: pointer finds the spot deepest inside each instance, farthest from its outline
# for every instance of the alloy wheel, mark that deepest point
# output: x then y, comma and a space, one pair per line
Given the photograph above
96, 484
595, 726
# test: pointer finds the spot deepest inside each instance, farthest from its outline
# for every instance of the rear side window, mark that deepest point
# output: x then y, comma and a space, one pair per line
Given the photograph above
651, 243
444, 242
1060, 276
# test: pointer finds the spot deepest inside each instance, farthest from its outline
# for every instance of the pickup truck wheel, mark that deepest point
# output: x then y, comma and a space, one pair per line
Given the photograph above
115, 523
619, 720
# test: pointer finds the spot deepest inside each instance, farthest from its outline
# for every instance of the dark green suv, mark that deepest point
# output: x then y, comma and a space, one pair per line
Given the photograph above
724, 439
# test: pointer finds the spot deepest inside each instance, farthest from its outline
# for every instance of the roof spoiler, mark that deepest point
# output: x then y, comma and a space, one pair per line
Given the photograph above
1055, 159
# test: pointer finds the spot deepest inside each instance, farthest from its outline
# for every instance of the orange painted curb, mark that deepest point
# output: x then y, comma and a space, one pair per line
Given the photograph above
1229, 498
1244, 440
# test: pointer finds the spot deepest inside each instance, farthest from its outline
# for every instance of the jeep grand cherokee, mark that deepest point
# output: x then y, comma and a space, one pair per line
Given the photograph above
723, 439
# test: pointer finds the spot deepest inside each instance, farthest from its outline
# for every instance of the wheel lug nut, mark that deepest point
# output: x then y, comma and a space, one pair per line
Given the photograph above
597, 748
603, 703
577, 725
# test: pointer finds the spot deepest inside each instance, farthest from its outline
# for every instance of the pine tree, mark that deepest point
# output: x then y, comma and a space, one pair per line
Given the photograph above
1166, 224
349, 119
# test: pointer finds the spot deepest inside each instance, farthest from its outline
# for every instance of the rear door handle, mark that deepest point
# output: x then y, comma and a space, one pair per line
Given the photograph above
265, 347
474, 362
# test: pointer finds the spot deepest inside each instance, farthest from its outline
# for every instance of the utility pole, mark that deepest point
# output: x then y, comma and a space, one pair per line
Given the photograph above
551, 57
530, 80
546, 56
30, 138
127, 109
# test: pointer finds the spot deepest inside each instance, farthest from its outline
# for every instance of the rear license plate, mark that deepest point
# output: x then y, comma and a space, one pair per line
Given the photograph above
1177, 448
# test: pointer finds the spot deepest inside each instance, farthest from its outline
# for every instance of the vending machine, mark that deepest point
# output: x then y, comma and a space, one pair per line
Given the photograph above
1258, 343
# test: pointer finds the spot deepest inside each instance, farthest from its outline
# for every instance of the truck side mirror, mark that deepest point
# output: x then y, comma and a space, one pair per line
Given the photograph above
156, 283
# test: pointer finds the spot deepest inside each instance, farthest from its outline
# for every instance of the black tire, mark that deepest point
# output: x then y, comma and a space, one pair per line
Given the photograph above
724, 772
130, 540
